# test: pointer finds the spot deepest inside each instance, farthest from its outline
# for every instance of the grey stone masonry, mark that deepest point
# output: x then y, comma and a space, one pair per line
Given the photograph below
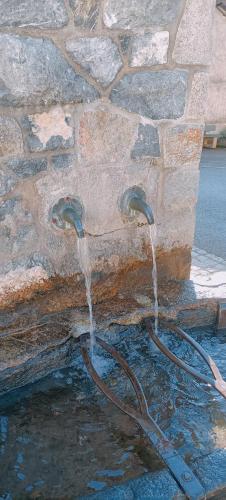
7, 180
131, 14
97, 96
157, 95
149, 49
33, 13
33, 72
11, 141
99, 56
63, 161
147, 143
85, 13
26, 168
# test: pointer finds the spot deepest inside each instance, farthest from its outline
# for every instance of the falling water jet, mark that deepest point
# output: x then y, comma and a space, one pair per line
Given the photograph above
85, 265
153, 235
132, 201
68, 212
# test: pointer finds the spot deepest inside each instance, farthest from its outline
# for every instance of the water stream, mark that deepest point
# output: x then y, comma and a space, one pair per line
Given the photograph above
85, 265
153, 235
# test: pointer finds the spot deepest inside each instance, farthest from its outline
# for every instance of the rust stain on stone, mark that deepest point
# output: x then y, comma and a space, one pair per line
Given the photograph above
131, 276
183, 145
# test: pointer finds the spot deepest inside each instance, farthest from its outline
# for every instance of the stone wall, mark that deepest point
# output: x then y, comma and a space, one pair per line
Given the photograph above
97, 96
216, 112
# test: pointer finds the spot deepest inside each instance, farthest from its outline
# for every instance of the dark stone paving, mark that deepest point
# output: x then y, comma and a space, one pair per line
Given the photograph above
211, 208
211, 471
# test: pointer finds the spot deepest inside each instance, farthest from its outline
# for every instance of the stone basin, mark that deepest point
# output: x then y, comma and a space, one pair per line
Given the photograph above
60, 438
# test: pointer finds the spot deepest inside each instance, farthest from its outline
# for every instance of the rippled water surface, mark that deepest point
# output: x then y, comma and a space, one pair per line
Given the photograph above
59, 438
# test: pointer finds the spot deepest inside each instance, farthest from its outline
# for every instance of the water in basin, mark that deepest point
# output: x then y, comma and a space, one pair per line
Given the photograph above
60, 438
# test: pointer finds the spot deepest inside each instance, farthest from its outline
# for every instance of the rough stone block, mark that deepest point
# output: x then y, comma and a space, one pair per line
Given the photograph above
11, 141
38, 74
149, 49
18, 230
180, 189
131, 14
25, 168
183, 146
157, 95
105, 137
7, 207
85, 13
23, 277
98, 55
64, 160
193, 40
33, 13
50, 130
216, 111
7, 180
218, 62
147, 143
198, 96
176, 230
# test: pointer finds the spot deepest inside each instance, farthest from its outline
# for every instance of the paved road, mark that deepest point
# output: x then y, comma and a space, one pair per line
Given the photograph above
211, 208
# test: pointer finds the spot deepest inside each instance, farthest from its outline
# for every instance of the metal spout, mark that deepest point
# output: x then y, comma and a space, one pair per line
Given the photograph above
68, 212
134, 200
70, 216
140, 205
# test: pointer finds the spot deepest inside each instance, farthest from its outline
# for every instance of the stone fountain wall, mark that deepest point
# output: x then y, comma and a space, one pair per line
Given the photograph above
216, 112
97, 96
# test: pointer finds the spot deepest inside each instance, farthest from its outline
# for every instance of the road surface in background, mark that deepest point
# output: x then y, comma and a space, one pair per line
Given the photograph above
210, 233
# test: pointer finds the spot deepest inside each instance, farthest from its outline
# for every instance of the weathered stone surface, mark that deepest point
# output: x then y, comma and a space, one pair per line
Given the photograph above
183, 146
157, 95
176, 230
22, 280
63, 161
198, 97
131, 14
86, 13
180, 188
26, 168
50, 130
105, 137
7, 180
124, 43
149, 49
216, 111
147, 143
38, 74
218, 62
33, 13
18, 230
11, 141
193, 40
99, 56
7, 207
